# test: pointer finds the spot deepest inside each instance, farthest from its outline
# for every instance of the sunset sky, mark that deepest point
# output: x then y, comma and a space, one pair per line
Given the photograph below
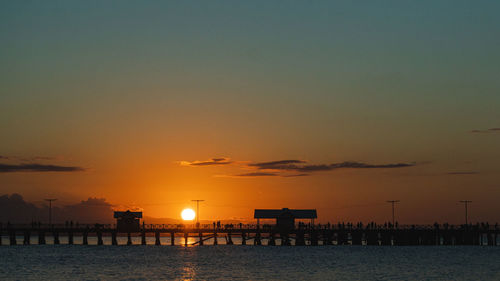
150, 104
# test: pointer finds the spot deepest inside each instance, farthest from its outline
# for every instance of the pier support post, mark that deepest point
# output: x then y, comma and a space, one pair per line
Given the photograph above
12, 235
300, 239
143, 237
356, 237
285, 240
385, 237
172, 238
257, 240
27, 237
70, 237
215, 237
341, 238
114, 242
129, 239
186, 238
327, 237
99, 238
272, 241
314, 238
56, 237
243, 238
85, 237
41, 237
157, 238
200, 239
371, 237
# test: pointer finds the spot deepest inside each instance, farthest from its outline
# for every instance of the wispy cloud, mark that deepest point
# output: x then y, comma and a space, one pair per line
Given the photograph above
463, 173
279, 165
257, 174
34, 167
210, 162
491, 130
29, 159
290, 167
300, 166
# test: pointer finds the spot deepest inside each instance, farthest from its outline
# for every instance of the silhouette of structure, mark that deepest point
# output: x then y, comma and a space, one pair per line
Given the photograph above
50, 200
392, 203
285, 218
286, 231
197, 210
128, 221
466, 202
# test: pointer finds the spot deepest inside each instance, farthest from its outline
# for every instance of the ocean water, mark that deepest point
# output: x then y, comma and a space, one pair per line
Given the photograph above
238, 262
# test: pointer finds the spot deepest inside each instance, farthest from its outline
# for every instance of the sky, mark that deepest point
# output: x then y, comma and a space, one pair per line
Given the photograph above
333, 105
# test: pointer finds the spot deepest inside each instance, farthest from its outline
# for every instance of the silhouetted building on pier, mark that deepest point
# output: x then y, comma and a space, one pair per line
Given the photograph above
285, 218
128, 221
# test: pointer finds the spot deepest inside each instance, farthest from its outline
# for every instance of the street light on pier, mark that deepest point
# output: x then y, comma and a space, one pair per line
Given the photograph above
50, 200
392, 203
466, 203
197, 211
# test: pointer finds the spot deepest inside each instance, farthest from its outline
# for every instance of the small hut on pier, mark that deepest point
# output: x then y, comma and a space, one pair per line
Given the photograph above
285, 218
128, 221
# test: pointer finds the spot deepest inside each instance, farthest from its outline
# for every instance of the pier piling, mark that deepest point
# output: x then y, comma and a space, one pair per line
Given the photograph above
157, 238
70, 237
99, 238
129, 239
143, 237
114, 242
56, 237
26, 240
85, 238
12, 235
243, 238
200, 238
41, 237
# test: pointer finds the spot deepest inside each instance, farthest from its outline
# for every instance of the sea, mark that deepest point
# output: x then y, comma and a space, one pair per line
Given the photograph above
245, 262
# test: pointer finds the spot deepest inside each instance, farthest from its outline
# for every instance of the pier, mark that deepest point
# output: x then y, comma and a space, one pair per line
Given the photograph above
254, 234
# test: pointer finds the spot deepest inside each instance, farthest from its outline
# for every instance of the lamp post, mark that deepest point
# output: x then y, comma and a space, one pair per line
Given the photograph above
466, 203
50, 200
392, 203
197, 211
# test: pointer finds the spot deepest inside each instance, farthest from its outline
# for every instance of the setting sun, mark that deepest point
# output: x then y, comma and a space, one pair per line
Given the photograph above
188, 214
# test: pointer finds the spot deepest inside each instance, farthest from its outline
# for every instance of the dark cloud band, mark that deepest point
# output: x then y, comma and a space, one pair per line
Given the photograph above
286, 165
11, 168
211, 162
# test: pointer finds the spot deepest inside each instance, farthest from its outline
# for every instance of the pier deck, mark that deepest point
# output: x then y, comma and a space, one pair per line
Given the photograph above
265, 235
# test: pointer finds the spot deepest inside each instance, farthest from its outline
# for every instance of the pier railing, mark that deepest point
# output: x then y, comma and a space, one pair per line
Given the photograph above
302, 234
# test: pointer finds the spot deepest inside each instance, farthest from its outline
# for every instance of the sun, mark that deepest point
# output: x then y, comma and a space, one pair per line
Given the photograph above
188, 214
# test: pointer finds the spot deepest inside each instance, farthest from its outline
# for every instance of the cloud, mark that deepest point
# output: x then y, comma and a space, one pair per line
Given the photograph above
491, 130
295, 175
291, 167
14, 209
463, 173
210, 162
34, 167
29, 159
280, 164
297, 165
257, 174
